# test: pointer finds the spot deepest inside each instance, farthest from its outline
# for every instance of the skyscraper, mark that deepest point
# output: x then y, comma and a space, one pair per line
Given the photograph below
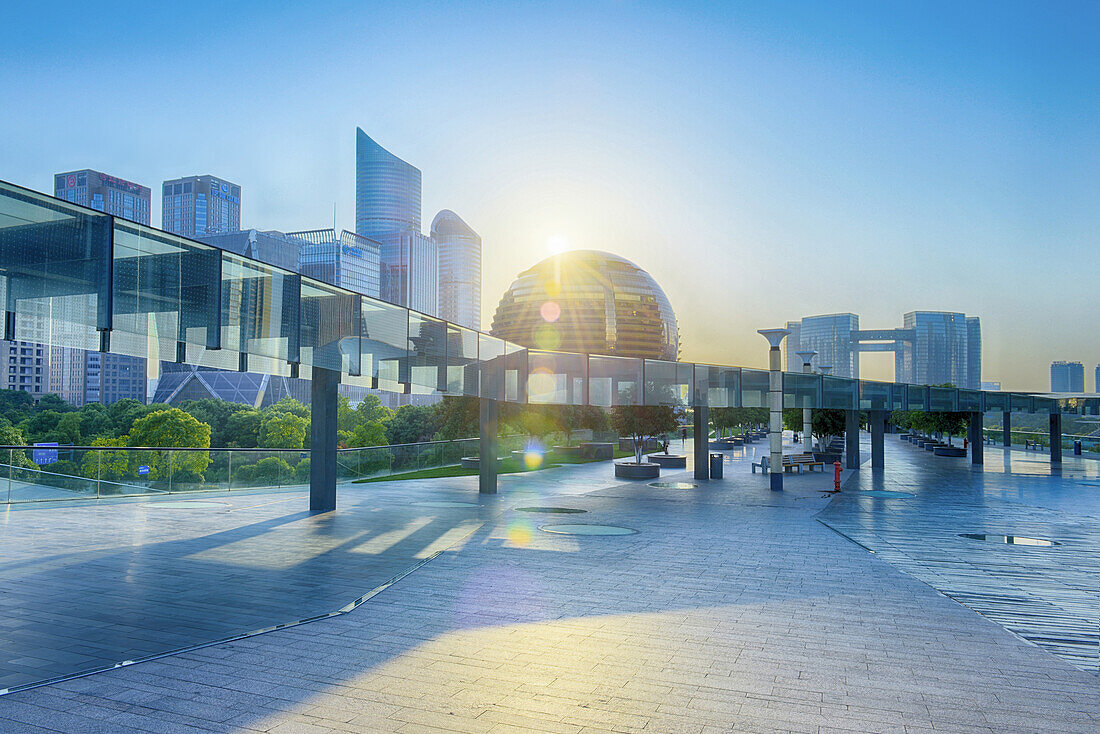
1096, 380
1067, 377
931, 347
459, 269
387, 210
200, 205
105, 193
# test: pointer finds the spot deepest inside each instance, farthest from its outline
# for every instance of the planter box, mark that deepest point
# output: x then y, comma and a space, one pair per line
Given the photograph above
573, 452
597, 450
630, 470
474, 462
669, 461
949, 451
826, 457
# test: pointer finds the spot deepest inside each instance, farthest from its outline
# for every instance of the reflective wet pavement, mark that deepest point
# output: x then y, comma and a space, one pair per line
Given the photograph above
1047, 594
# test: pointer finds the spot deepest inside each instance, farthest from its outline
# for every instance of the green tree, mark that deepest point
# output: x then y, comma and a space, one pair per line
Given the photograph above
242, 429
289, 405
68, 430
95, 420
640, 422
110, 466
12, 436
411, 424
281, 430
458, 416
368, 434
16, 405
41, 426
49, 401
215, 413
171, 428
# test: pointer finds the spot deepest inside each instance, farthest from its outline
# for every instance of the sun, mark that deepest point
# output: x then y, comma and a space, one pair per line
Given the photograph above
557, 244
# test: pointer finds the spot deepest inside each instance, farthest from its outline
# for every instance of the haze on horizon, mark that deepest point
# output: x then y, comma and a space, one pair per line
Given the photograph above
762, 162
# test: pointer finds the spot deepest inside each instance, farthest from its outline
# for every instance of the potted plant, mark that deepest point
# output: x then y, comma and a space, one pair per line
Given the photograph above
640, 422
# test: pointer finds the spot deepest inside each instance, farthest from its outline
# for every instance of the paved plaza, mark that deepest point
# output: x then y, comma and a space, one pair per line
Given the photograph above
731, 608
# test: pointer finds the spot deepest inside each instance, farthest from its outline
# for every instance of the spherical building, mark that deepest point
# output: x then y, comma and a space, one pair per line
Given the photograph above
592, 302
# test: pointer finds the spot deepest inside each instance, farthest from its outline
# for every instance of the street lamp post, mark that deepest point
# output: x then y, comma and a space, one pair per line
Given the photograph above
775, 399
807, 413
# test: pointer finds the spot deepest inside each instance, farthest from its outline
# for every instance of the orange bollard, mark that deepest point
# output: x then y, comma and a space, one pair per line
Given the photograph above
836, 475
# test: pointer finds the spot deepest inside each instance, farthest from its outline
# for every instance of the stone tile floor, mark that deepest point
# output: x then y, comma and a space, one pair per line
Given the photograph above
1048, 595
732, 609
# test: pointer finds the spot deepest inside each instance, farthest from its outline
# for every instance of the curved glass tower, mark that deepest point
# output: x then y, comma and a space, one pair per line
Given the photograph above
459, 269
387, 190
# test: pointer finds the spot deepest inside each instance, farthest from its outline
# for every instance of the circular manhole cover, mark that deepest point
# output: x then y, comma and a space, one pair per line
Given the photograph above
885, 493
186, 505
551, 510
673, 485
1009, 539
444, 503
579, 529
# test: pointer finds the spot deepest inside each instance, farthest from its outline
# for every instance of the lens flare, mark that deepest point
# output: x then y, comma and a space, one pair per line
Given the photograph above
533, 456
541, 383
550, 311
520, 532
547, 337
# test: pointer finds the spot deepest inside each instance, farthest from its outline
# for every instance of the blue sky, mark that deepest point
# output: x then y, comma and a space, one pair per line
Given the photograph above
762, 160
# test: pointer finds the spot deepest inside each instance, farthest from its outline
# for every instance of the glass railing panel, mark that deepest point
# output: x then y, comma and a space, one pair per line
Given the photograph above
559, 378
259, 314
801, 390
839, 392
427, 353
943, 399
462, 366
754, 388
918, 397
668, 383
970, 400
898, 397
384, 344
717, 386
614, 381
329, 326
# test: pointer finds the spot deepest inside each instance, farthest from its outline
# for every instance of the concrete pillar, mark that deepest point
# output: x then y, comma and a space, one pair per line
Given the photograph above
775, 403
977, 441
1006, 423
877, 419
851, 438
1056, 438
702, 444
322, 440
807, 413
487, 463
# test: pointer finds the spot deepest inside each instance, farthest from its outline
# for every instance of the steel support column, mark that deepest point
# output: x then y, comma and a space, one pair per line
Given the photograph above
702, 442
877, 419
1056, 438
322, 440
977, 440
1006, 424
851, 439
487, 452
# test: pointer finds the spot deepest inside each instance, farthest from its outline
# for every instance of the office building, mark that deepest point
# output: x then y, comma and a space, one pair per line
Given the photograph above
82, 376
387, 210
830, 335
28, 367
589, 301
459, 257
1096, 380
200, 205
105, 193
930, 348
1067, 377
346, 259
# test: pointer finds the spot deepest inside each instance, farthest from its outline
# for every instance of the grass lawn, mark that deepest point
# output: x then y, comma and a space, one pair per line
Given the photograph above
509, 466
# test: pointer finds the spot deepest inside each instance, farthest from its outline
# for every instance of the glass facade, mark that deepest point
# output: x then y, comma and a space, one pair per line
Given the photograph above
939, 351
589, 301
346, 260
196, 206
1067, 377
75, 276
831, 336
459, 255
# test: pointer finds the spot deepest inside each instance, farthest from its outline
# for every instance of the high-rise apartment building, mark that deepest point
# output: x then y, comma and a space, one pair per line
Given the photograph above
387, 210
200, 205
931, 347
1067, 377
459, 254
27, 367
105, 193
346, 260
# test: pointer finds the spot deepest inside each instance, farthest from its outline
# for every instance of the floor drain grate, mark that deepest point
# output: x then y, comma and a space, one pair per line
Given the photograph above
1009, 539
579, 529
551, 510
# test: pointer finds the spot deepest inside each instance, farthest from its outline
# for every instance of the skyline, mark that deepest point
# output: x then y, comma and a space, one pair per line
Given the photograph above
819, 153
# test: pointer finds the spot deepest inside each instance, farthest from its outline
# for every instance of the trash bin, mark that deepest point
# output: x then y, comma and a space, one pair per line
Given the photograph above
1076, 448
716, 466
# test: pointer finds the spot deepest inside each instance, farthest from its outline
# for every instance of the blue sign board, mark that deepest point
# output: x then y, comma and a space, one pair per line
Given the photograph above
45, 456
143, 469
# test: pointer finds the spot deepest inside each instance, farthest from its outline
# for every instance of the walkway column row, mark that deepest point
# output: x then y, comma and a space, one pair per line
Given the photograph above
976, 438
487, 452
851, 439
877, 419
324, 385
702, 442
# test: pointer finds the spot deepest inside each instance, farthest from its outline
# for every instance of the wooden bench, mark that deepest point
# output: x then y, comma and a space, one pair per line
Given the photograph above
807, 460
762, 464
